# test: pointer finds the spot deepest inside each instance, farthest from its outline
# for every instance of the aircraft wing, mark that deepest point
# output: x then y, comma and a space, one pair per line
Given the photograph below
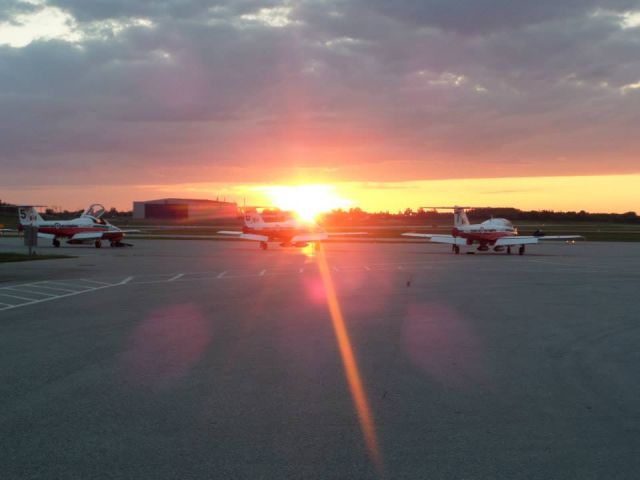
437, 238
82, 236
560, 237
245, 236
418, 235
310, 237
529, 240
254, 237
516, 240
341, 234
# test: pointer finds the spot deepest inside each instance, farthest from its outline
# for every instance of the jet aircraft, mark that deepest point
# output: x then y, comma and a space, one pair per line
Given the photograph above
89, 227
496, 233
273, 225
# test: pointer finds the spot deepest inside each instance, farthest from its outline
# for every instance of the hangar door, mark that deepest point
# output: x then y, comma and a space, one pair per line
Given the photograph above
166, 210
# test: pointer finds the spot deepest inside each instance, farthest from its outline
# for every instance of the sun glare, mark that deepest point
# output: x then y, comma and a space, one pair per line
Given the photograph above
308, 201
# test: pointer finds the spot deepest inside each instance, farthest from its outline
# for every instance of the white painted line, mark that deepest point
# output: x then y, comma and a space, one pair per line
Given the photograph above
42, 285
262, 273
16, 296
6, 304
176, 277
55, 298
367, 268
70, 287
22, 290
222, 274
94, 281
125, 281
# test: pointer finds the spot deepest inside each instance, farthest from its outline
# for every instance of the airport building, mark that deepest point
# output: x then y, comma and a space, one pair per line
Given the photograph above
184, 209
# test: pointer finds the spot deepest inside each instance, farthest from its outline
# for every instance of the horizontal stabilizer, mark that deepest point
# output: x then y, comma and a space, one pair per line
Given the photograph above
229, 232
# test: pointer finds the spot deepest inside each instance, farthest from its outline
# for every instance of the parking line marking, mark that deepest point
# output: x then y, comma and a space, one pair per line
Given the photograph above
367, 268
222, 274
6, 304
125, 281
55, 298
71, 287
176, 277
262, 273
16, 296
29, 291
42, 285
94, 281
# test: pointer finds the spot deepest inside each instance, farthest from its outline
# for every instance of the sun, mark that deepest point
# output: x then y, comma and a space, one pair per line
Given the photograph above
308, 201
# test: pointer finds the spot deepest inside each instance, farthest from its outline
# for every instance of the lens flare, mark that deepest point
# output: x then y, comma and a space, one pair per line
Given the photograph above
349, 362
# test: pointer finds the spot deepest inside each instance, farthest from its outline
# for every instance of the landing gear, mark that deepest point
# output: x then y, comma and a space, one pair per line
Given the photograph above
98, 244
120, 244
264, 245
456, 249
56, 243
521, 250
508, 250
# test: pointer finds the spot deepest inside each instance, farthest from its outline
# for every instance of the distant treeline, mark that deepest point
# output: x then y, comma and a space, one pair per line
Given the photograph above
356, 216
58, 213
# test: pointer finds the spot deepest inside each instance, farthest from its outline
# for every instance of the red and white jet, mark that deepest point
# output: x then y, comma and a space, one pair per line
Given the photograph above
284, 227
496, 233
87, 228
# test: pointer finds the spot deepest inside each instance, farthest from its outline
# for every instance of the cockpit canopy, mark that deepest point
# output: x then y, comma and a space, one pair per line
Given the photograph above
96, 211
503, 222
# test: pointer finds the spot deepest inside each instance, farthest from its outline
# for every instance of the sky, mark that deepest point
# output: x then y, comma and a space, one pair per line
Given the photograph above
390, 104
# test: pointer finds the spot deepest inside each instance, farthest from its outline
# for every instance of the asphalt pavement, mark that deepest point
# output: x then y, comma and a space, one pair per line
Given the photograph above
203, 359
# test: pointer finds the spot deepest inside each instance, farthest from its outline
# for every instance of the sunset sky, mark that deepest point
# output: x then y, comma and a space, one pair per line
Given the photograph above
388, 104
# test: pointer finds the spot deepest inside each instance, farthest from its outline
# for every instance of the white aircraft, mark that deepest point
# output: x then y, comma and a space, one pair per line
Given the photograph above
87, 228
273, 225
496, 233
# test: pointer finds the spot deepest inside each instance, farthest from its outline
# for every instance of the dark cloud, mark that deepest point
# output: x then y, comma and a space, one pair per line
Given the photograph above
348, 86
483, 16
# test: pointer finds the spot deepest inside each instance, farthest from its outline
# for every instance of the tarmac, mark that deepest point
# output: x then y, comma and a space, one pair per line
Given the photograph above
202, 359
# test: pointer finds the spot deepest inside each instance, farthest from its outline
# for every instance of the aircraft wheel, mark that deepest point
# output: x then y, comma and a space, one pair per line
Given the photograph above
508, 250
456, 249
56, 243
98, 244
521, 250
264, 245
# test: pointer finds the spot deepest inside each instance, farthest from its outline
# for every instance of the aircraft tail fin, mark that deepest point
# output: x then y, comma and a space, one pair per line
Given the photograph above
252, 218
28, 215
460, 218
